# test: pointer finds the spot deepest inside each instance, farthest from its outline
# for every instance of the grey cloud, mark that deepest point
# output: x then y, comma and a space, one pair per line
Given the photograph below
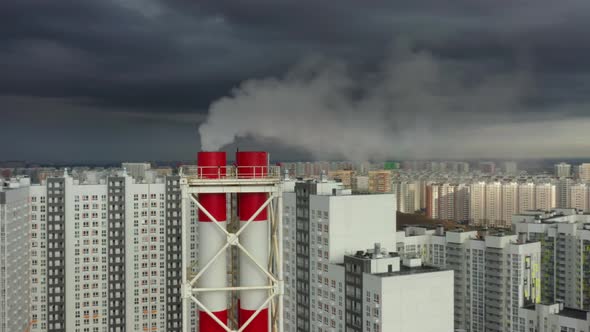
179, 56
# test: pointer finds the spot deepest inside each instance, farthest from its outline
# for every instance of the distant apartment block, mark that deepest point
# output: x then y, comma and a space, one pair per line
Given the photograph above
563, 170
380, 182
584, 172
488, 204
344, 176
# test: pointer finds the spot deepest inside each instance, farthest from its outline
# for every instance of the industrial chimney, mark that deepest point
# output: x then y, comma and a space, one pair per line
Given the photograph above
255, 239
212, 165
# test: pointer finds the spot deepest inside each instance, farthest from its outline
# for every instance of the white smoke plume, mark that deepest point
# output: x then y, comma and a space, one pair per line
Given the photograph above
413, 106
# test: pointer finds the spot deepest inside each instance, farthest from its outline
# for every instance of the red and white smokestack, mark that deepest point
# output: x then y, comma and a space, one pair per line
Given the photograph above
256, 240
212, 165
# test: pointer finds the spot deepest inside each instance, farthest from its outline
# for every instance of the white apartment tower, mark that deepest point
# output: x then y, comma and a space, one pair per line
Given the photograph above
462, 202
584, 172
563, 170
512, 278
407, 196
509, 202
85, 219
477, 207
14, 257
447, 201
526, 197
563, 192
105, 254
420, 291
326, 226
433, 200
38, 258
545, 196
493, 204
578, 197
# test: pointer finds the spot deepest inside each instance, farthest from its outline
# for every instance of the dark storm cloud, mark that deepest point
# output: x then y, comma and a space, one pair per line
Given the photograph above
171, 57
184, 54
116, 55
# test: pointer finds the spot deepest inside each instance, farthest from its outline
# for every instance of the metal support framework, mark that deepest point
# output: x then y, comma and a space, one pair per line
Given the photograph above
191, 187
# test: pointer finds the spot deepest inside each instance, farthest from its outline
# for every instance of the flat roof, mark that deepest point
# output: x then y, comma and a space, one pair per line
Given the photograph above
573, 313
565, 312
404, 270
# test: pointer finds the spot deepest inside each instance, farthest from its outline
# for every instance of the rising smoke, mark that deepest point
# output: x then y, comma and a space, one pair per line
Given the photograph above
413, 106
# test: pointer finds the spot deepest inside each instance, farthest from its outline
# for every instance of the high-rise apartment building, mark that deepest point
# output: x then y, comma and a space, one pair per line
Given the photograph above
334, 284
488, 203
584, 172
578, 197
494, 275
563, 170
380, 182
526, 197
38, 258
509, 202
360, 183
563, 191
462, 202
493, 204
564, 235
105, 254
477, 207
373, 277
446, 203
344, 176
14, 255
407, 196
545, 196
440, 201
433, 200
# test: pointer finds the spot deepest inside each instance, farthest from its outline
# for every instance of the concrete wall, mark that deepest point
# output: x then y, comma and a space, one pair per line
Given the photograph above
357, 222
414, 302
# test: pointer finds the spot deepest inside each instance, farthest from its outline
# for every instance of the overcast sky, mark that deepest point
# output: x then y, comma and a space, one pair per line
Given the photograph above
134, 79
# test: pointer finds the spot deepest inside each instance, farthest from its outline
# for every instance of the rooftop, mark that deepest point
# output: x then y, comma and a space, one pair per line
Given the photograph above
574, 313
565, 312
370, 254
404, 270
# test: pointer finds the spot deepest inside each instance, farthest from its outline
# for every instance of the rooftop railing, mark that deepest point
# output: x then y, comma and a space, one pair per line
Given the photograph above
231, 172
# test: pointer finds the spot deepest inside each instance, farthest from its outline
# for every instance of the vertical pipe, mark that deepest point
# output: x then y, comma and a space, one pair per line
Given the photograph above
212, 165
256, 240
279, 257
184, 253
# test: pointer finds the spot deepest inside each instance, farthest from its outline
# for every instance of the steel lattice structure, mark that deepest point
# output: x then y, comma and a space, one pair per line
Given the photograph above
193, 183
